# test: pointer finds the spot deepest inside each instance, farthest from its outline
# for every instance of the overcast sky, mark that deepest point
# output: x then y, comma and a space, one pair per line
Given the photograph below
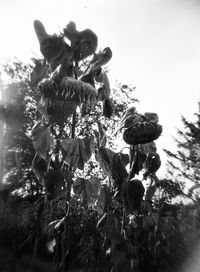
155, 44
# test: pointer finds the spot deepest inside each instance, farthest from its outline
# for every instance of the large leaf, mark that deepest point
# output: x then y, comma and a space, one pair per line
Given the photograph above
152, 163
83, 43
89, 189
111, 225
100, 59
54, 183
114, 228
39, 166
104, 199
39, 72
42, 139
139, 157
79, 186
77, 151
86, 148
56, 110
105, 91
150, 192
108, 108
133, 194
100, 136
148, 222
40, 31
72, 154
55, 50
118, 170
104, 157
93, 187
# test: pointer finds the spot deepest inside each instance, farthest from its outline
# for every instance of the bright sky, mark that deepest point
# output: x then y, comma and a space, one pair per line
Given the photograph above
155, 44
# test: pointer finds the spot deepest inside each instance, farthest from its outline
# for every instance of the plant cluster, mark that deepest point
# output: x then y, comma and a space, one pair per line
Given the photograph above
92, 210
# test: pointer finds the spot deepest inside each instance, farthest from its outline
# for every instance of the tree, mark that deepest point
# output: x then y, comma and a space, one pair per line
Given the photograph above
184, 164
17, 113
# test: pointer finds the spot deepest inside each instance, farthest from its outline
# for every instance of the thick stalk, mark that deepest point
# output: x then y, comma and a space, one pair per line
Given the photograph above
73, 127
66, 235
